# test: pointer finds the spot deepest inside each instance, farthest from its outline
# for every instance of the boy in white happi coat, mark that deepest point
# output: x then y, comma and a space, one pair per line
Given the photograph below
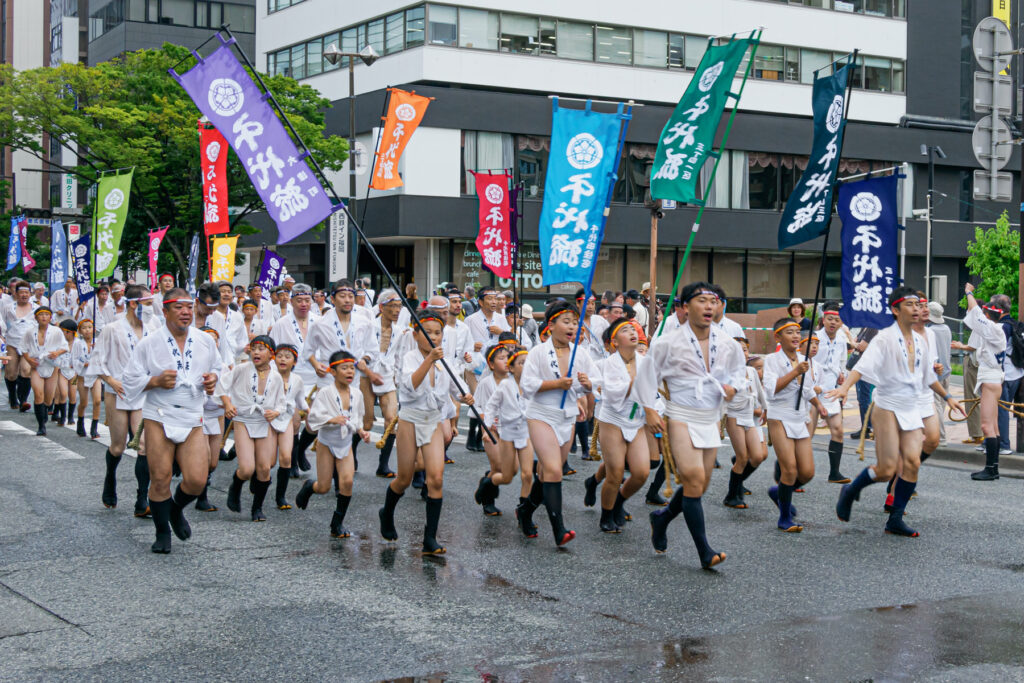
829, 371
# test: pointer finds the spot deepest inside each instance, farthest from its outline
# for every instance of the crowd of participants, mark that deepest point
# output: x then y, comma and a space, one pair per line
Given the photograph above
294, 377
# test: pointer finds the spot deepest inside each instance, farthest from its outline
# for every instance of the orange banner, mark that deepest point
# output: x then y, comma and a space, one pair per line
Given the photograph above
405, 111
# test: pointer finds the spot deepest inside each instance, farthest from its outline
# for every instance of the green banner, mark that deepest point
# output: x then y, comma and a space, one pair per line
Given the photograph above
688, 137
108, 222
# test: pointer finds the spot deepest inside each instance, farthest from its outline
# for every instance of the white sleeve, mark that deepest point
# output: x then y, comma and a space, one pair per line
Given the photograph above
532, 373
772, 372
322, 410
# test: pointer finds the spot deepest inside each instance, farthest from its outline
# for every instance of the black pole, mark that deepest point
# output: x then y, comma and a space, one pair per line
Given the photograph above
359, 231
366, 199
824, 246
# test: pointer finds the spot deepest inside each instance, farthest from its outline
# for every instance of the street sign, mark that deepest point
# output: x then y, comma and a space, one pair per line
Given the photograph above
988, 86
992, 44
337, 247
996, 187
668, 204
982, 142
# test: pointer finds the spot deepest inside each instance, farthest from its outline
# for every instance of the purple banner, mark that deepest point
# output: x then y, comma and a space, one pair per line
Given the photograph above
270, 271
513, 232
223, 91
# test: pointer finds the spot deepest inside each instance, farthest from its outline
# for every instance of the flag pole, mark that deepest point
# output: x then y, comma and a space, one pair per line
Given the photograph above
828, 228
342, 206
625, 114
755, 41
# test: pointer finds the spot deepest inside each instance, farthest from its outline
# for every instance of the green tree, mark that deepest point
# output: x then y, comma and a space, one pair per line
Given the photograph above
994, 256
131, 112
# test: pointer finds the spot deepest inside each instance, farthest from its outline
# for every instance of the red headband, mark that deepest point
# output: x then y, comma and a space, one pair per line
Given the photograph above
831, 313
343, 360
909, 297
181, 300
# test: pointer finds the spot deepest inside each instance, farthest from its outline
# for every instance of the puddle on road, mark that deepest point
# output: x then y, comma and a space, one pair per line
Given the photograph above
948, 638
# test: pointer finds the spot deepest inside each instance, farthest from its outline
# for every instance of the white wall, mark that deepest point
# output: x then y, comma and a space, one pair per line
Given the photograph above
27, 50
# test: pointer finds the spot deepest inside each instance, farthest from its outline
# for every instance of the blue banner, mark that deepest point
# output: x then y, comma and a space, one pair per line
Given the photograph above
14, 245
80, 268
809, 207
58, 256
870, 268
581, 171
193, 266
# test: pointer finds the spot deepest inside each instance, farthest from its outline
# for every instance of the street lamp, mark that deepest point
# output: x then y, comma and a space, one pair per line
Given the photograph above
930, 151
368, 56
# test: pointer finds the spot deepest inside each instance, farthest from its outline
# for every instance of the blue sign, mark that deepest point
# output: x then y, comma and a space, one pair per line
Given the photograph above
870, 268
58, 256
80, 268
582, 165
14, 245
809, 207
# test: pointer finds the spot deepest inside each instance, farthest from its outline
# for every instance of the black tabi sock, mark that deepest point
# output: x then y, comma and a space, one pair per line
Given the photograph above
306, 437
863, 480
334, 477
800, 483
112, 462
259, 493
892, 482
40, 409
161, 512
992, 452
901, 494
675, 505
835, 455
182, 499
283, 475
785, 502
391, 500
12, 390
433, 514
778, 472
747, 471
693, 513
142, 474
734, 484
473, 432
341, 505
24, 387
658, 467
385, 453
553, 503
536, 492
925, 455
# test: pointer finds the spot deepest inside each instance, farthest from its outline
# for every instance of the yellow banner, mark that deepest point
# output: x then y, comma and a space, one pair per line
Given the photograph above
223, 256
1001, 11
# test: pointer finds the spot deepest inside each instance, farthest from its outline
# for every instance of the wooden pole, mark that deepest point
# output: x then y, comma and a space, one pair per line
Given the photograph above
652, 304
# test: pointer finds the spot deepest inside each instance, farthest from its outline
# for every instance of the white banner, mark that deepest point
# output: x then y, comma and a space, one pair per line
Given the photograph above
69, 191
337, 247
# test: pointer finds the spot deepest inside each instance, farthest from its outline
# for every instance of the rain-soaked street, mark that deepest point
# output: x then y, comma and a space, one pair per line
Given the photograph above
81, 596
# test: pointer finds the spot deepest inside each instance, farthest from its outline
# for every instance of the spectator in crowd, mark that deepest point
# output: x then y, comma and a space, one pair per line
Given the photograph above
970, 382
796, 310
943, 339
864, 389
634, 300
1012, 374
370, 293
410, 294
529, 324
469, 304
608, 297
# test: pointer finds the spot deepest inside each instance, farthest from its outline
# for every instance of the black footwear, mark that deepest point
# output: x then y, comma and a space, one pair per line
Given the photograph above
855, 436
302, 442
991, 471
161, 520
383, 471
987, 474
234, 502
524, 516
896, 526
481, 489
80, 427
179, 524
40, 411
734, 501
304, 494
387, 515
590, 491
338, 529
283, 474
259, 494
491, 511
430, 544
733, 497
835, 455
607, 524
142, 505
94, 430
567, 470
419, 479
223, 456
773, 493
109, 496
619, 514
203, 503
659, 529
552, 493
654, 496
844, 506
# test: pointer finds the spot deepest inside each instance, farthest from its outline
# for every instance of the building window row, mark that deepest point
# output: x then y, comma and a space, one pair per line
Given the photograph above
278, 5
874, 8
479, 29
192, 13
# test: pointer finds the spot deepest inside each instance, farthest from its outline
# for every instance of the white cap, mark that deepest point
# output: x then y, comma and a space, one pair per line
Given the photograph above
796, 300
526, 310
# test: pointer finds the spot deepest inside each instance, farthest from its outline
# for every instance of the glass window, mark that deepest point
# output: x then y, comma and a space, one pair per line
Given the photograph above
792, 64
314, 57
531, 163
177, 12
443, 25
478, 28
414, 27
298, 62
575, 40
857, 75
649, 48
216, 15
467, 269
827, 4
519, 34
675, 51
638, 268
241, 18
282, 63
763, 173
811, 60
695, 47
878, 74
728, 271
548, 37
898, 84
614, 45
769, 63
375, 35
137, 10
609, 271
767, 275
805, 277
878, 8
348, 42
329, 40
394, 33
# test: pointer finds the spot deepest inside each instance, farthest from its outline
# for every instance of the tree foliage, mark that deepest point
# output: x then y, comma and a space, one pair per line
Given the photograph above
994, 256
130, 112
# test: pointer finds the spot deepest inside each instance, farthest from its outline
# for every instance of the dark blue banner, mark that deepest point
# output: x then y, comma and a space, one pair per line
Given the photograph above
80, 268
870, 250
58, 256
193, 266
809, 207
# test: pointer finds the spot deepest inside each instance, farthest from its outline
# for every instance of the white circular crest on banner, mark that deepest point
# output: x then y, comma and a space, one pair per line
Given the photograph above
708, 78
494, 193
81, 250
226, 96
113, 200
274, 263
865, 206
223, 249
213, 152
835, 114
154, 243
584, 151
405, 112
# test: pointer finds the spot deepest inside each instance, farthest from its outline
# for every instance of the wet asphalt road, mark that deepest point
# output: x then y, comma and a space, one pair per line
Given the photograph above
82, 598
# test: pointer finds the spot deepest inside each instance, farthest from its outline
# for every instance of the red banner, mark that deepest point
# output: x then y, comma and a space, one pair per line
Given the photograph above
27, 262
494, 240
213, 157
405, 111
155, 238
